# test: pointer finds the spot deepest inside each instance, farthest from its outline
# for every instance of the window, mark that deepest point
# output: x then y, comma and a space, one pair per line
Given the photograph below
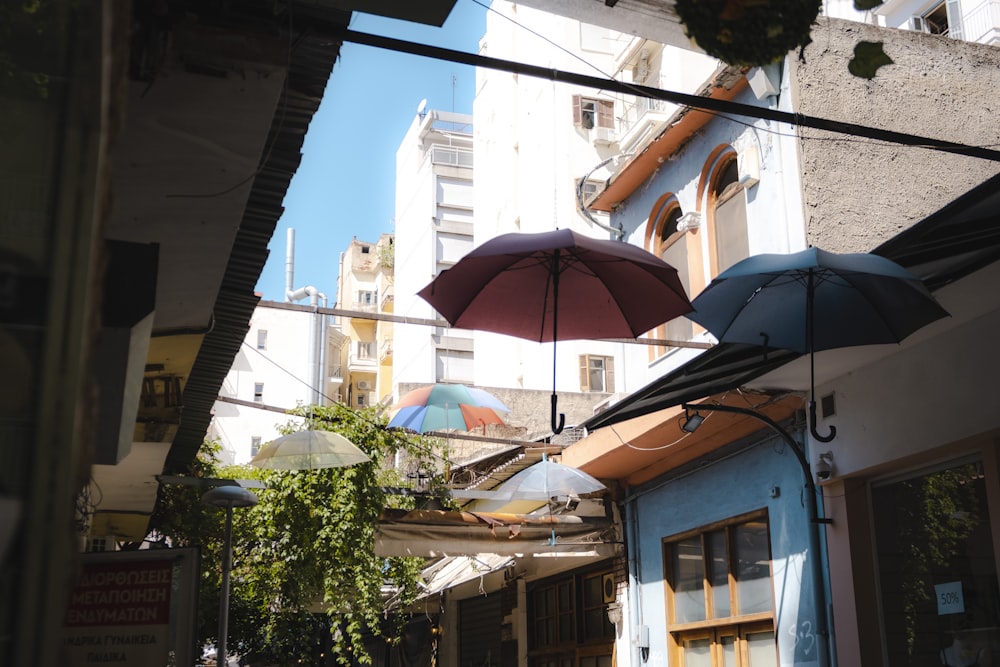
360, 402
945, 18
365, 349
936, 567
585, 191
254, 445
258, 392
674, 251
597, 374
728, 206
568, 622
365, 249
366, 297
453, 365
589, 112
261, 339
720, 606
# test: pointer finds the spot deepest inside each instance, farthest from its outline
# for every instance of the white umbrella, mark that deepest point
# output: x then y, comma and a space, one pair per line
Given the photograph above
546, 479
309, 450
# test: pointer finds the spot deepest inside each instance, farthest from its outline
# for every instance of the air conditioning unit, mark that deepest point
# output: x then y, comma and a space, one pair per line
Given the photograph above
918, 24
604, 135
364, 384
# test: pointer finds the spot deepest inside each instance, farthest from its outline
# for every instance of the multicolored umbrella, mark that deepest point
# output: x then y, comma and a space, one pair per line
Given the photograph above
444, 407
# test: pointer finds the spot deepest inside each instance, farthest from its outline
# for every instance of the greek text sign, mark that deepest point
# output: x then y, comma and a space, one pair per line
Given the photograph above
119, 613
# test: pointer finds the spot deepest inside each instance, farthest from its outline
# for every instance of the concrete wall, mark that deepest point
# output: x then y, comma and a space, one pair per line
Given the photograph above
858, 192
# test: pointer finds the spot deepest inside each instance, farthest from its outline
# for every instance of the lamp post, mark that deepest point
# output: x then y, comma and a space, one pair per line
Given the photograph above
226, 497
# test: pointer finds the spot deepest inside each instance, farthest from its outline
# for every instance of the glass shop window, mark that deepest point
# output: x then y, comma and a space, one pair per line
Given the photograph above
936, 568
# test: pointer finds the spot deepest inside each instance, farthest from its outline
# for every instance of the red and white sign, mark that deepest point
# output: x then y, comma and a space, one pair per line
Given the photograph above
119, 613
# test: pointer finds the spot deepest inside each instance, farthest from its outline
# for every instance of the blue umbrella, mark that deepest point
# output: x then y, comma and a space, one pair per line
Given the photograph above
815, 300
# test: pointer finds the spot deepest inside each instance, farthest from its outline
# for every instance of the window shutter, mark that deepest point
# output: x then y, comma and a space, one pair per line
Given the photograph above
606, 113
954, 10
577, 110
609, 374
584, 373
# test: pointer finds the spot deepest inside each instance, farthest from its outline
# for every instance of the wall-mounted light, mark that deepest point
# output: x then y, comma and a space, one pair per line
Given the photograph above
692, 420
824, 467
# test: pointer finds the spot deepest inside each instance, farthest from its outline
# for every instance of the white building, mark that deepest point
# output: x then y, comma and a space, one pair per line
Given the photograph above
433, 230
288, 358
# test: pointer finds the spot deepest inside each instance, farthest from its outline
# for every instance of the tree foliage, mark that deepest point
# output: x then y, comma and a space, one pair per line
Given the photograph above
305, 577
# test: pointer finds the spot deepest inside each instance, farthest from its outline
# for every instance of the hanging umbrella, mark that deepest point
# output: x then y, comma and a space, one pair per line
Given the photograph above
309, 450
440, 407
558, 285
815, 300
546, 479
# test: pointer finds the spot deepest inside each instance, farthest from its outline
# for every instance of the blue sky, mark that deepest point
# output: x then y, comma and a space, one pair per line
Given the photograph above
344, 187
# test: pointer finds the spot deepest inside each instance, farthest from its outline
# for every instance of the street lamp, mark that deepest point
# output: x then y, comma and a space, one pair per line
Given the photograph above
226, 497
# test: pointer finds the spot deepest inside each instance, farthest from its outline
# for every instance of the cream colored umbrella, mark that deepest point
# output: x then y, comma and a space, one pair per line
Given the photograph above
309, 450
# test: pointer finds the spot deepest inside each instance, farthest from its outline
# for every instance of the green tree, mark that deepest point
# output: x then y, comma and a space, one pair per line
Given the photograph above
305, 576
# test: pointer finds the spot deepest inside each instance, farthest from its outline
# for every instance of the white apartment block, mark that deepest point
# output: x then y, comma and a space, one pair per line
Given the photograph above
433, 230
274, 370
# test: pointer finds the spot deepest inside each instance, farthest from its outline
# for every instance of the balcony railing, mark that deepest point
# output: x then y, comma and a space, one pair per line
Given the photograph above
639, 115
982, 24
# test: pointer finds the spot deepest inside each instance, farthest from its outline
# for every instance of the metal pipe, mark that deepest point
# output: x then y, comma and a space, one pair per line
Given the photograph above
289, 263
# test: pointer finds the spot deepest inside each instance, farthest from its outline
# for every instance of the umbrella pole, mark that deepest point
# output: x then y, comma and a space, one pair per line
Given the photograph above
557, 425
810, 324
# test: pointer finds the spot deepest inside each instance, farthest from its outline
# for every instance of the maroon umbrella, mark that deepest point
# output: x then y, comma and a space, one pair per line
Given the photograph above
558, 285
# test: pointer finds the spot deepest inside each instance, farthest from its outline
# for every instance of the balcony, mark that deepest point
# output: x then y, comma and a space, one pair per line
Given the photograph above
385, 350
982, 24
640, 118
361, 360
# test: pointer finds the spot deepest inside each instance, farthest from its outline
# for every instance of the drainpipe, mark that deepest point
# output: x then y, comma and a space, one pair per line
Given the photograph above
316, 339
635, 622
289, 263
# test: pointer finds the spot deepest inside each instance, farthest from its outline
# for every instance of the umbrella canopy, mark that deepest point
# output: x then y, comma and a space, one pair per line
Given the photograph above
309, 450
546, 479
558, 285
815, 300
441, 407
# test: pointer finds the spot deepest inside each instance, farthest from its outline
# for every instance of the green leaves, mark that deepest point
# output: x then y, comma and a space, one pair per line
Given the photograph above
305, 576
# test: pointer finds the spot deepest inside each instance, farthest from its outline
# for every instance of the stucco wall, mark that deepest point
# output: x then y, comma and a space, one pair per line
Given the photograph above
858, 192
728, 488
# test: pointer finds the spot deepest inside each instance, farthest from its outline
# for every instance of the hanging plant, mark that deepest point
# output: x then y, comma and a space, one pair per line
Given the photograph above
748, 32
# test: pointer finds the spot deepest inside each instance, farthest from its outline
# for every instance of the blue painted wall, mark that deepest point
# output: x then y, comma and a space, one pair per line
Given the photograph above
735, 485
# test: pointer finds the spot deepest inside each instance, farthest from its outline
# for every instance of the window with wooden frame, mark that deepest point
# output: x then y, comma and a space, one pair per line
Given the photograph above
729, 240
597, 374
720, 600
568, 621
673, 249
591, 112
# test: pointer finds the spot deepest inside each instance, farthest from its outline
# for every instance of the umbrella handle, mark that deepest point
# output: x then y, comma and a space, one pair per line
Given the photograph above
812, 425
557, 425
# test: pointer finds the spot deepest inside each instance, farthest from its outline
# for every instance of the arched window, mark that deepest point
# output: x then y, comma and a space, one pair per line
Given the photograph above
727, 220
680, 249
673, 249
